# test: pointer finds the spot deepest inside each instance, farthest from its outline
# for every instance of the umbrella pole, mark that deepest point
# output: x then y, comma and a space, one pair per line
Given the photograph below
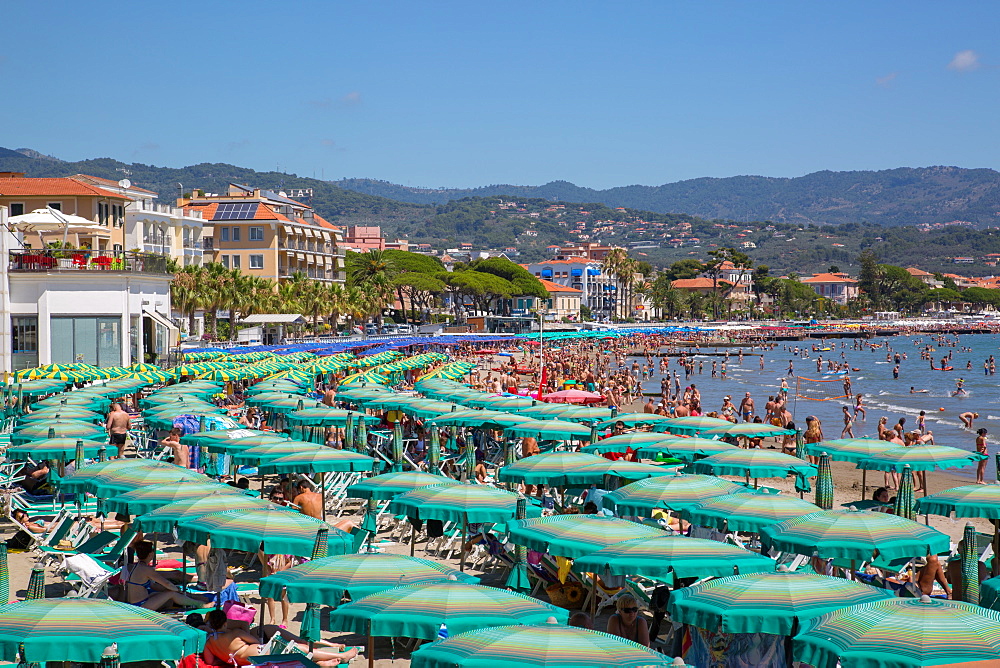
864, 486
322, 492
593, 594
371, 646
413, 537
465, 538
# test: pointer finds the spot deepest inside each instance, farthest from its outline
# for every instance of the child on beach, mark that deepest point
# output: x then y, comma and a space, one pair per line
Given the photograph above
981, 449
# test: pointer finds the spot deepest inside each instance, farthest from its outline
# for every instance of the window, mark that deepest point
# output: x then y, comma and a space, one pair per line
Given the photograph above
223, 234
236, 262
24, 344
256, 261
17, 208
225, 261
236, 234
256, 234
91, 340
55, 205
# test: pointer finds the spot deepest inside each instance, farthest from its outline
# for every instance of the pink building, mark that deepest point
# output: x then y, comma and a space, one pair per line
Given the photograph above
364, 238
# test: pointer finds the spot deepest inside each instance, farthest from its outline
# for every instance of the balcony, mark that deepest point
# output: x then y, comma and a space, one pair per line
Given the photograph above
50, 260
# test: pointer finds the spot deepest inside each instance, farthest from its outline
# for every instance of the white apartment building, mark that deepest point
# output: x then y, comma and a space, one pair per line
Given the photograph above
599, 291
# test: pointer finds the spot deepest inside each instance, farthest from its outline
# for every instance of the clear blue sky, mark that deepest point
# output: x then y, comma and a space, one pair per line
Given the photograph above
467, 93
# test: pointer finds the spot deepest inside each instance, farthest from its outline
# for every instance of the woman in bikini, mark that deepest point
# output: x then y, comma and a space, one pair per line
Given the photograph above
230, 643
147, 588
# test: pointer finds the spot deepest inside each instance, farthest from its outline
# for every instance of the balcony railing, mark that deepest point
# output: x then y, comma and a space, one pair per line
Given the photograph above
87, 260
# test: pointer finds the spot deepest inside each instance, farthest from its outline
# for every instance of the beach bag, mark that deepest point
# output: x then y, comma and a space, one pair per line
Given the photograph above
569, 595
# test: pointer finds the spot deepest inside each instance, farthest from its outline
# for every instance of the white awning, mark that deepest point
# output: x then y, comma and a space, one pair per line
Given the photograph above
273, 318
289, 230
173, 331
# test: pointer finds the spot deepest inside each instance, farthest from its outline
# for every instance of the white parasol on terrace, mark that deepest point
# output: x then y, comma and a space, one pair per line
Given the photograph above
53, 220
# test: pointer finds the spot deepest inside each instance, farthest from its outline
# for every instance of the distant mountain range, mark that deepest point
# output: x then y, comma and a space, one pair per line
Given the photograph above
893, 197
903, 196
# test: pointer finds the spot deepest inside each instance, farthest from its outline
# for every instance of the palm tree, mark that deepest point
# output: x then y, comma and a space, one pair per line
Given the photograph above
212, 290
186, 294
336, 299
614, 265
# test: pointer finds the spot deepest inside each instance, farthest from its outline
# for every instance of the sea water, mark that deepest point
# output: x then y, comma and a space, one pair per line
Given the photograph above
883, 395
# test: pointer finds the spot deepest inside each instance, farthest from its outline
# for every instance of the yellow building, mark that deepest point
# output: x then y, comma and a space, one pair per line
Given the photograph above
267, 234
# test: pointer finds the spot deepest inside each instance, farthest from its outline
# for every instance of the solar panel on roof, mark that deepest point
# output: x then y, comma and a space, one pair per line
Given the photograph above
236, 211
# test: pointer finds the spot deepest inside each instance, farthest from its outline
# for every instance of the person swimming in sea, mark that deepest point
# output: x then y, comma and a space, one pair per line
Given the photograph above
960, 390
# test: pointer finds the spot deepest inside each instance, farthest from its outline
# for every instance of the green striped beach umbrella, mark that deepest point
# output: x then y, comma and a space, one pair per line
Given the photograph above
776, 603
921, 458
512, 404
746, 430
36, 584
278, 530
321, 460
147, 499
538, 646
964, 501
851, 450
691, 426
543, 411
634, 420
551, 430
125, 480
90, 401
390, 485
685, 449
232, 440
668, 493
58, 429
53, 448
165, 398
427, 408
746, 512
623, 442
753, 464
970, 565
80, 478
163, 519
854, 534
588, 414
824, 483
479, 419
265, 452
419, 610
325, 581
630, 470
462, 503
264, 397
63, 412
904, 506
79, 629
672, 557
324, 416
575, 535
901, 632
290, 405
556, 468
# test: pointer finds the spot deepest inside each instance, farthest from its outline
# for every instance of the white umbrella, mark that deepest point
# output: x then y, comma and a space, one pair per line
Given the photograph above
49, 220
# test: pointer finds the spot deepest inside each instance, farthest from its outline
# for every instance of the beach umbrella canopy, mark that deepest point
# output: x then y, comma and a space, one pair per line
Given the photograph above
550, 430
667, 492
512, 403
746, 430
673, 556
267, 451
53, 448
543, 411
921, 458
691, 426
851, 450
457, 503
574, 397
325, 581
91, 401
78, 630
745, 511
630, 470
767, 602
232, 440
163, 519
623, 442
478, 419
292, 404
587, 414
575, 535
964, 501
78, 481
536, 646
390, 485
753, 464
323, 416
58, 429
419, 610
684, 449
127, 479
322, 460
427, 408
634, 420
146, 499
854, 534
278, 530
901, 633
556, 468
62, 413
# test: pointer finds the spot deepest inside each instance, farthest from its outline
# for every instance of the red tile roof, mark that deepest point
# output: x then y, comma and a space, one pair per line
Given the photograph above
109, 183
699, 283
555, 287
828, 278
913, 271
55, 187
